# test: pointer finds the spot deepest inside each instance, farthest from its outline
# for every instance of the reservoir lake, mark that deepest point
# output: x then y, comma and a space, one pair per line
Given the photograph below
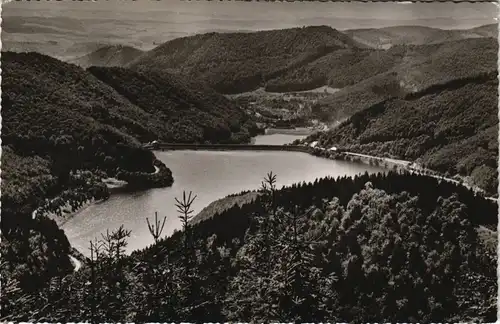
210, 175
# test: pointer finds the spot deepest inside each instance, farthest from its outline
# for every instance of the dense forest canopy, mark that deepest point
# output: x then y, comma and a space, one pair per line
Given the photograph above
117, 106
310, 252
184, 110
62, 117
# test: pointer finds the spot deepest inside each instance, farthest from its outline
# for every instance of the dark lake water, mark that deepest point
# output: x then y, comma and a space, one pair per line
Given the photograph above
209, 174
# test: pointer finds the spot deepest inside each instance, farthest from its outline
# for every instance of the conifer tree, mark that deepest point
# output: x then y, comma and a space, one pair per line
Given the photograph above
248, 293
295, 275
190, 299
113, 247
94, 294
158, 279
155, 229
185, 215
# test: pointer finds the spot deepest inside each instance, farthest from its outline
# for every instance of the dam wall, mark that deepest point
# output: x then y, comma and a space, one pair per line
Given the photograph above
229, 147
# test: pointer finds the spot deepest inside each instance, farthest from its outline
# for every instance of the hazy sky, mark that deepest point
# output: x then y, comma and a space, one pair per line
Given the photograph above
67, 28
253, 15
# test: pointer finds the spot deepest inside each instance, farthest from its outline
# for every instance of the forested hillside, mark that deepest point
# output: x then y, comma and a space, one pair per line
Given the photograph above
305, 58
403, 68
112, 98
57, 112
184, 111
32, 249
56, 121
451, 128
338, 69
406, 69
392, 248
238, 62
63, 130
110, 55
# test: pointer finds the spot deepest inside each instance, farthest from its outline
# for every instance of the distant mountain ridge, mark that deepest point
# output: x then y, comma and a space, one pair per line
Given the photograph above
109, 56
416, 35
490, 30
248, 58
293, 59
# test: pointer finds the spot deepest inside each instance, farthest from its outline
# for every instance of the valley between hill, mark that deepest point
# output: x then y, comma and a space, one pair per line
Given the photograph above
343, 249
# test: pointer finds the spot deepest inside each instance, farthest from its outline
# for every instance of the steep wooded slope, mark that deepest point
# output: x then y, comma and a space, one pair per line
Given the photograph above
410, 69
183, 111
58, 120
62, 114
452, 127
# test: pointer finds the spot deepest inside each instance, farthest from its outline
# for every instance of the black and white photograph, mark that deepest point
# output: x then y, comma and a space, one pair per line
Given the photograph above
249, 161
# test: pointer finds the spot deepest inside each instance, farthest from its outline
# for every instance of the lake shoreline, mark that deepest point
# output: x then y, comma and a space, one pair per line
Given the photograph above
210, 175
398, 165
183, 163
66, 208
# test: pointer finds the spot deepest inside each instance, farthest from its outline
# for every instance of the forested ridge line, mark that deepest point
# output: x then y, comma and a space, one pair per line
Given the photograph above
305, 58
